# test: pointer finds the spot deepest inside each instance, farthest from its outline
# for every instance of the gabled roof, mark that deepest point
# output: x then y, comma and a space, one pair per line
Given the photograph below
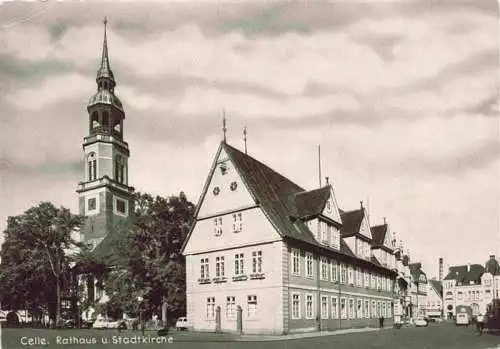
461, 274
282, 201
351, 222
378, 234
438, 286
311, 203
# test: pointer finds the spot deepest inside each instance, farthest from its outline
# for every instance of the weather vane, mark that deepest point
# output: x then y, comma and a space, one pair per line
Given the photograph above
224, 128
245, 138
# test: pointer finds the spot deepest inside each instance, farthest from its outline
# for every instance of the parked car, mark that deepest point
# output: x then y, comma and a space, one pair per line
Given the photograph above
439, 319
462, 319
181, 324
100, 323
421, 322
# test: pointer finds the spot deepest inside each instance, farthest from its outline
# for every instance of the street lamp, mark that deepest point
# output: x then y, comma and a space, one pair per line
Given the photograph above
141, 320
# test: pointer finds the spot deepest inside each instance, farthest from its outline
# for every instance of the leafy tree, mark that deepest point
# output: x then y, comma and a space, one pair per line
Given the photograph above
35, 259
155, 262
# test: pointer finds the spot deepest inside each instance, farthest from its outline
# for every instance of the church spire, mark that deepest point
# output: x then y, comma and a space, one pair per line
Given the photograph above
104, 72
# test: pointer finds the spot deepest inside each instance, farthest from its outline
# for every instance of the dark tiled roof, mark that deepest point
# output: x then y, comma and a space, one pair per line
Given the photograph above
311, 203
351, 222
375, 261
464, 276
438, 286
345, 249
378, 234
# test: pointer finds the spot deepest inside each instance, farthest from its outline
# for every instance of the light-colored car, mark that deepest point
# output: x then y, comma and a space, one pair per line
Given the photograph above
100, 323
181, 324
421, 322
462, 319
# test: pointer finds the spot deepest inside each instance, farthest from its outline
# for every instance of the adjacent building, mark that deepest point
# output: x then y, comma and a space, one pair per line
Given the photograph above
472, 286
434, 299
418, 290
267, 256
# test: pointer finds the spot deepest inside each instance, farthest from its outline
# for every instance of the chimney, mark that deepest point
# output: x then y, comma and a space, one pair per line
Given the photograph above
385, 220
468, 267
361, 203
492, 256
441, 269
327, 180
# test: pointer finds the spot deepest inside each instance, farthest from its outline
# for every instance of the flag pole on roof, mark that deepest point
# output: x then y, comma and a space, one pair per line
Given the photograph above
319, 164
224, 128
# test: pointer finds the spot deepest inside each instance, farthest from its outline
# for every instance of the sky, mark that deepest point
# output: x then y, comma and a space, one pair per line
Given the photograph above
400, 95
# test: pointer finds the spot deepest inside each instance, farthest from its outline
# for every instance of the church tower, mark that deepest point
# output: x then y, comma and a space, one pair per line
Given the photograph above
104, 195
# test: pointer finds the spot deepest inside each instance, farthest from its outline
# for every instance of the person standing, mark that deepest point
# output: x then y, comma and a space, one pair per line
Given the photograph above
480, 323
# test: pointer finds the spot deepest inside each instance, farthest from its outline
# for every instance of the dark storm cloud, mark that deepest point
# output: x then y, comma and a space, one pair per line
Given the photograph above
54, 169
24, 72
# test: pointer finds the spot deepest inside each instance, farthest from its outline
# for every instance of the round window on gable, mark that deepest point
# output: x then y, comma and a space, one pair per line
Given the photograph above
233, 186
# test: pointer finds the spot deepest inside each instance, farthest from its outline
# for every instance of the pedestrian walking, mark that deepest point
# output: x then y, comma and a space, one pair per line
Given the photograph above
381, 322
480, 323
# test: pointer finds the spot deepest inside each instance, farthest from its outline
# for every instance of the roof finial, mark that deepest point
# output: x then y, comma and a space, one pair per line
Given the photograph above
385, 220
245, 137
327, 179
224, 128
104, 69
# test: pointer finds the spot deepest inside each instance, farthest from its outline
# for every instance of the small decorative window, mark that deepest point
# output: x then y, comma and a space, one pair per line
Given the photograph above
92, 204
120, 206
218, 226
223, 168
216, 191
233, 186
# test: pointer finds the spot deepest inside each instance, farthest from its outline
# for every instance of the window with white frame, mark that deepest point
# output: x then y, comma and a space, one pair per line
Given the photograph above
334, 266
351, 308
218, 226
219, 267
389, 310
324, 233
343, 308
230, 307
459, 295
334, 307
367, 278
204, 274
329, 233
350, 275
359, 309
237, 222
367, 309
374, 309
309, 306
359, 277
383, 310
378, 309
210, 308
252, 306
335, 237
324, 268
379, 283
257, 262
372, 281
324, 307
295, 262
309, 265
343, 273
295, 306
238, 264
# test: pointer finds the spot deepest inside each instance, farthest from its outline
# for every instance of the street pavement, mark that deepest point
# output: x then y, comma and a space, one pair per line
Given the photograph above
443, 335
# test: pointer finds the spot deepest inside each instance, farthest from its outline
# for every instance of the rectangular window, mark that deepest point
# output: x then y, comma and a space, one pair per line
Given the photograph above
120, 206
252, 306
334, 271
459, 295
237, 222
218, 226
324, 235
343, 273
372, 281
359, 278
309, 306
367, 279
374, 309
367, 309
219, 267
351, 308
383, 310
389, 310
378, 309
295, 262
295, 306
309, 265
210, 308
94, 170
324, 268
230, 307
204, 274
324, 307
257, 262
359, 309
238, 264
334, 308
343, 308
350, 275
